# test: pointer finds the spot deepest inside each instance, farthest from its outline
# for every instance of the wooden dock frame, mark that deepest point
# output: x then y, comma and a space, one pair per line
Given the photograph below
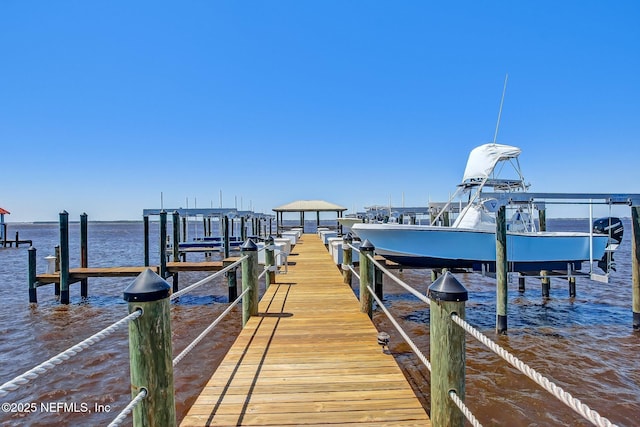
63, 276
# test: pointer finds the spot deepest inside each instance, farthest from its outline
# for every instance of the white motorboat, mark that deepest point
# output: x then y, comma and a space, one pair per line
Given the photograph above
470, 242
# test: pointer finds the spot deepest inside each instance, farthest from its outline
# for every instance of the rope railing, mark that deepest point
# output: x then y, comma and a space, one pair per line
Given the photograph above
404, 335
464, 409
545, 383
46, 366
565, 397
127, 410
208, 278
415, 293
209, 328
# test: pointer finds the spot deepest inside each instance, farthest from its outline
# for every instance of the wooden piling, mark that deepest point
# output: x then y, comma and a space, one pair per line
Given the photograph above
378, 277
447, 349
521, 283
150, 350
542, 219
501, 271
347, 259
33, 296
249, 281
572, 287
232, 280
225, 236
163, 244
545, 281
366, 277
635, 265
56, 286
146, 240
175, 228
64, 257
84, 254
269, 262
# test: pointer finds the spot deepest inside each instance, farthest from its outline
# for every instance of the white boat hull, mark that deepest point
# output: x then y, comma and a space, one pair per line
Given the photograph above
433, 246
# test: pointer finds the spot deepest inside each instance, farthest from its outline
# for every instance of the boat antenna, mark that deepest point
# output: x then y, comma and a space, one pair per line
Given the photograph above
504, 89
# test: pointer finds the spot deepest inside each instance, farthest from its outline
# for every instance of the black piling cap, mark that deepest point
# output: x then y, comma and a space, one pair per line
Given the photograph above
147, 287
249, 246
347, 238
367, 246
269, 240
448, 288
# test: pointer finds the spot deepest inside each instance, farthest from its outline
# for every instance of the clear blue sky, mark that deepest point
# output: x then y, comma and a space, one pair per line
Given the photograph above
104, 105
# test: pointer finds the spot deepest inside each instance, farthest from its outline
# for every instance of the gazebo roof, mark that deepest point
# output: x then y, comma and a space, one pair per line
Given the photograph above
4, 211
310, 206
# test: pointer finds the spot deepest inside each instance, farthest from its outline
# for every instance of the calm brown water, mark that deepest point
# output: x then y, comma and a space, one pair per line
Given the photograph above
585, 345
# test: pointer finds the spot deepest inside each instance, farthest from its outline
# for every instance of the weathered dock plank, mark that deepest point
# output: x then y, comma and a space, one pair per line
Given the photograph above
308, 358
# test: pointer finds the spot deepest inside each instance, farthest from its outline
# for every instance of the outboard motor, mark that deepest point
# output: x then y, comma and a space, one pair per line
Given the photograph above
611, 226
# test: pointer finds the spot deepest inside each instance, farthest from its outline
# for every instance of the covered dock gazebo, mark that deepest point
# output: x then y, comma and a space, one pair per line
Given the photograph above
303, 206
3, 226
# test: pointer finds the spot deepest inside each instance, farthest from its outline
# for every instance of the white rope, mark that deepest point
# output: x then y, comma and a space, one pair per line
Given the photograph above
463, 408
208, 278
264, 271
34, 373
408, 340
127, 410
415, 293
552, 388
354, 272
209, 328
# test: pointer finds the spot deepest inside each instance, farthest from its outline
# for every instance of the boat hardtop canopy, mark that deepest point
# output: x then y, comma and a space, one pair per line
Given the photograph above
483, 159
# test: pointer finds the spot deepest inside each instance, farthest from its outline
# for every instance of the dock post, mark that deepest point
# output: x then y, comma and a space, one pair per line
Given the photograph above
232, 280
175, 226
501, 271
150, 352
163, 243
366, 277
225, 236
635, 266
347, 259
434, 274
269, 262
542, 219
447, 349
243, 231
184, 229
378, 280
572, 287
521, 283
146, 240
33, 296
64, 257
249, 280
84, 254
546, 283
56, 286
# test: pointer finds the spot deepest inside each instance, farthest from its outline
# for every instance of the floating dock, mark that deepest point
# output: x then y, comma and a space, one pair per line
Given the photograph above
309, 357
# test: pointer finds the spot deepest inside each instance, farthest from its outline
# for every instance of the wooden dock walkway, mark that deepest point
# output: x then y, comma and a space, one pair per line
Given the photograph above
309, 358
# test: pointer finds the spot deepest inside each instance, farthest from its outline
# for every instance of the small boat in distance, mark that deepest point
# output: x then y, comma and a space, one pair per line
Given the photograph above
470, 241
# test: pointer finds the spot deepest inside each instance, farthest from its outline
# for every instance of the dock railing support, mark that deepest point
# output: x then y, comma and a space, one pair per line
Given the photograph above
635, 265
447, 350
347, 259
33, 296
249, 280
366, 277
269, 262
150, 351
64, 257
501, 271
84, 253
